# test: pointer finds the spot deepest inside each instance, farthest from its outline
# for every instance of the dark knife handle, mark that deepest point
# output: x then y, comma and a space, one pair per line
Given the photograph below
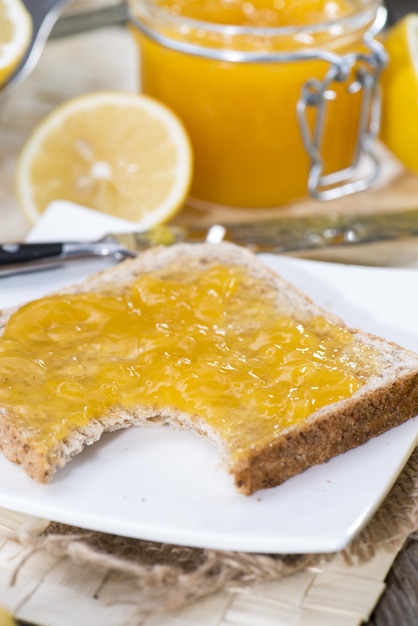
25, 252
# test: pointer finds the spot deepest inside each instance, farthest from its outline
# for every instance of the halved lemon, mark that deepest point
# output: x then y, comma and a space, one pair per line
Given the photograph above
117, 152
15, 34
399, 129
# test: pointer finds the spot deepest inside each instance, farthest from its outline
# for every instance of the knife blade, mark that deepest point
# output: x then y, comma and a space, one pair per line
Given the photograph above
279, 235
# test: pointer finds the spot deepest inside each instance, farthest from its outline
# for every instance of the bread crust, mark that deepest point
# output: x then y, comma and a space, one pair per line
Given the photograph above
324, 435
388, 399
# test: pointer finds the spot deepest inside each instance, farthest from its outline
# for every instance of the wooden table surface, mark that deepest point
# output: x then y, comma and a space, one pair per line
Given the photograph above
399, 604
396, 189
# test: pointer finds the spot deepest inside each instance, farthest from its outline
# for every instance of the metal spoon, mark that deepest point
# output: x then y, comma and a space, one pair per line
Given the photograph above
44, 15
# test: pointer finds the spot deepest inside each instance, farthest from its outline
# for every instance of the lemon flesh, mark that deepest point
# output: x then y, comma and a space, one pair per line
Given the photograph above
120, 153
15, 34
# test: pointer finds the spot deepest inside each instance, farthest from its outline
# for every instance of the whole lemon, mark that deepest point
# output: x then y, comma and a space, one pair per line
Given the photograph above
399, 129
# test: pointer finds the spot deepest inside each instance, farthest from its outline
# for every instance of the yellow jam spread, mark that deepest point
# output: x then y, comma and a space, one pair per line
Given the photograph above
207, 341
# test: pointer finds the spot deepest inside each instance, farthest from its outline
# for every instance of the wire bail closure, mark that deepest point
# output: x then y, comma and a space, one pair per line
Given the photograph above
361, 73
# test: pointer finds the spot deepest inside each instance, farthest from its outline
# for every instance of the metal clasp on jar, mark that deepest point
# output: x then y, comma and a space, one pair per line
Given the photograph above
361, 73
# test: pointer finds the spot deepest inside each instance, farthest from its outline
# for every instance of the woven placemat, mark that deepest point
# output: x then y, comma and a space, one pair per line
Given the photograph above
154, 577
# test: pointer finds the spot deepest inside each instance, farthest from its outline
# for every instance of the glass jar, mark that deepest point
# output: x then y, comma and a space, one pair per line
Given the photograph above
284, 106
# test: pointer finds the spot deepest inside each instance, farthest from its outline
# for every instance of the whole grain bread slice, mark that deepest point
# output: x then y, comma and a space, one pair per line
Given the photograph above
388, 398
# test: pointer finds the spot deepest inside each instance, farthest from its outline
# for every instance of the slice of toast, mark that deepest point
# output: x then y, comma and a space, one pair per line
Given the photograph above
261, 445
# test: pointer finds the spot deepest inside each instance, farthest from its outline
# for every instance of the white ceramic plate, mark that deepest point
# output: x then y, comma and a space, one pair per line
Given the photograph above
164, 485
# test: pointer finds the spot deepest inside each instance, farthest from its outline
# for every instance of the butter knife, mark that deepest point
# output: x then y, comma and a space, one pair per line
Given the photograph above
279, 235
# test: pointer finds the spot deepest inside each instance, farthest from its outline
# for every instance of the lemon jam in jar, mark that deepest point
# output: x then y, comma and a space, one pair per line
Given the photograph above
279, 96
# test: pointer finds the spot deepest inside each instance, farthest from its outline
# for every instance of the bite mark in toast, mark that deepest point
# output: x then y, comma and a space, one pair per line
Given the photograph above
388, 397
